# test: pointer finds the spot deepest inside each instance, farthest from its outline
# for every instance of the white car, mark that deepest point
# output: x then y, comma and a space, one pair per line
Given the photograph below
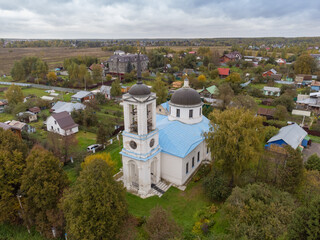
94, 147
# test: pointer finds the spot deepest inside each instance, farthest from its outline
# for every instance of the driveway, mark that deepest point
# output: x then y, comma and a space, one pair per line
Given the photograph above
314, 148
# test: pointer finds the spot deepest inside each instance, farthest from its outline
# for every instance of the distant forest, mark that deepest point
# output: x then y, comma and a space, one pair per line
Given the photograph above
94, 43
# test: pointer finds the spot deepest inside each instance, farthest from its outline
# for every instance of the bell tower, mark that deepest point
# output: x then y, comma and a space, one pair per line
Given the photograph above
141, 149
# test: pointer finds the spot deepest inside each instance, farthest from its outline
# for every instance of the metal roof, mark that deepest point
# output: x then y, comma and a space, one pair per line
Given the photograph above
67, 106
179, 139
81, 94
272, 89
186, 96
291, 134
64, 120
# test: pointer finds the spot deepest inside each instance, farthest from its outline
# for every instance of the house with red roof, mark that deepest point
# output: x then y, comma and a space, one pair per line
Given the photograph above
269, 72
281, 61
224, 72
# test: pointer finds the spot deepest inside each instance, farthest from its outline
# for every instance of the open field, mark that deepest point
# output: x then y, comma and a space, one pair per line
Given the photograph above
53, 56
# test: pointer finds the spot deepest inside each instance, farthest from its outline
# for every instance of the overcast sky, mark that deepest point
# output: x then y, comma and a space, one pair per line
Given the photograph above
109, 19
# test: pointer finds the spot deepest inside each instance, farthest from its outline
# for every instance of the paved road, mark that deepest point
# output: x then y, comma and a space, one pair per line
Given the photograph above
60, 89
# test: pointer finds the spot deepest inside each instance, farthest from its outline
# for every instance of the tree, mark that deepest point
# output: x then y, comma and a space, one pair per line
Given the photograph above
305, 64
202, 78
52, 77
306, 221
96, 73
103, 156
285, 100
216, 186
82, 73
160, 225
17, 71
313, 162
43, 182
215, 58
258, 211
234, 78
13, 152
115, 88
159, 87
14, 95
225, 94
269, 132
129, 67
95, 206
235, 140
291, 171
104, 132
245, 101
281, 113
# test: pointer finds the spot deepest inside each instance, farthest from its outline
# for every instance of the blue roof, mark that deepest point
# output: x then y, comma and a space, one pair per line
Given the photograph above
165, 105
179, 139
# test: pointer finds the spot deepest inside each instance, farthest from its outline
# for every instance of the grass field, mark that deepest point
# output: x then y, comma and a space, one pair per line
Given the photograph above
177, 202
53, 56
10, 232
314, 138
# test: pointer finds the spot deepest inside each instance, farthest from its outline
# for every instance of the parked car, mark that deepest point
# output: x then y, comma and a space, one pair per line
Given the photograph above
95, 147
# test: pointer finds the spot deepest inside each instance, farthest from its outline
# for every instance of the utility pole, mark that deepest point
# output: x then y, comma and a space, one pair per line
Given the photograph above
22, 210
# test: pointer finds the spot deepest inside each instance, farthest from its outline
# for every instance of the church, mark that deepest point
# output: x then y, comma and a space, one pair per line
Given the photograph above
164, 142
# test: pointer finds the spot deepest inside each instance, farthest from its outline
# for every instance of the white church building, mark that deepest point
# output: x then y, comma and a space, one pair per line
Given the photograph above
168, 146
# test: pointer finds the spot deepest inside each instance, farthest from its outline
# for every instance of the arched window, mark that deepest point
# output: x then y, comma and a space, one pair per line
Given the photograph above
178, 112
200, 112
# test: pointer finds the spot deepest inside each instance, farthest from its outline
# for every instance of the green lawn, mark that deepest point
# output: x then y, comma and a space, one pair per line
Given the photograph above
114, 150
182, 204
85, 139
314, 138
10, 232
6, 117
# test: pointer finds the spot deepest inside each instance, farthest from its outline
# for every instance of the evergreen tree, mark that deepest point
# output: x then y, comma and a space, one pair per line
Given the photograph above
95, 206
43, 182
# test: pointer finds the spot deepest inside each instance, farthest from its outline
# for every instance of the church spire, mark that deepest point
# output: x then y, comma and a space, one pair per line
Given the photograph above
139, 69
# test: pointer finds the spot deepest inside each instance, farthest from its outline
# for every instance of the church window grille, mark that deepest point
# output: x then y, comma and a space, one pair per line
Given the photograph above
178, 112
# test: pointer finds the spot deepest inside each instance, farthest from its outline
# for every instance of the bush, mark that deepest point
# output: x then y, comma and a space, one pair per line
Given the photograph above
313, 162
217, 186
277, 123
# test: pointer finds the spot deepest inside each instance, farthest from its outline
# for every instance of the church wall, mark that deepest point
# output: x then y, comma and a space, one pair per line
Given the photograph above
184, 114
173, 168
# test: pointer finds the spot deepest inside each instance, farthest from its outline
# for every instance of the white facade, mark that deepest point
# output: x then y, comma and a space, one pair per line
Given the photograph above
145, 162
53, 126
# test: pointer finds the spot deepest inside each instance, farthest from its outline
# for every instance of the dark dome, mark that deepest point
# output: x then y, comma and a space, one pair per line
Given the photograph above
139, 90
186, 96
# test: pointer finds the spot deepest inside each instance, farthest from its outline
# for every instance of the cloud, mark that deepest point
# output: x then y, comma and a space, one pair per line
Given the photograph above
158, 19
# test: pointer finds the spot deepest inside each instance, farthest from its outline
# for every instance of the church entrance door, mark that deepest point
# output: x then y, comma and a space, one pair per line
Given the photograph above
133, 175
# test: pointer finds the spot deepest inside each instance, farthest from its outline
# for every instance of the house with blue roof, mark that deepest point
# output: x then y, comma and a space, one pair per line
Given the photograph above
292, 135
164, 145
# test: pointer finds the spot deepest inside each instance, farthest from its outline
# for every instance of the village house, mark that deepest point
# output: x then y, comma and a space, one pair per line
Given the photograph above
292, 135
3, 104
281, 61
315, 86
67, 107
82, 96
21, 126
27, 116
61, 123
266, 112
271, 91
35, 110
224, 72
209, 92
233, 56
309, 102
269, 72
106, 91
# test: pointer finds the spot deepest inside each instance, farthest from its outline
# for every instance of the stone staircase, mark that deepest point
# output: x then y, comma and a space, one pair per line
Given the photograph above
160, 188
